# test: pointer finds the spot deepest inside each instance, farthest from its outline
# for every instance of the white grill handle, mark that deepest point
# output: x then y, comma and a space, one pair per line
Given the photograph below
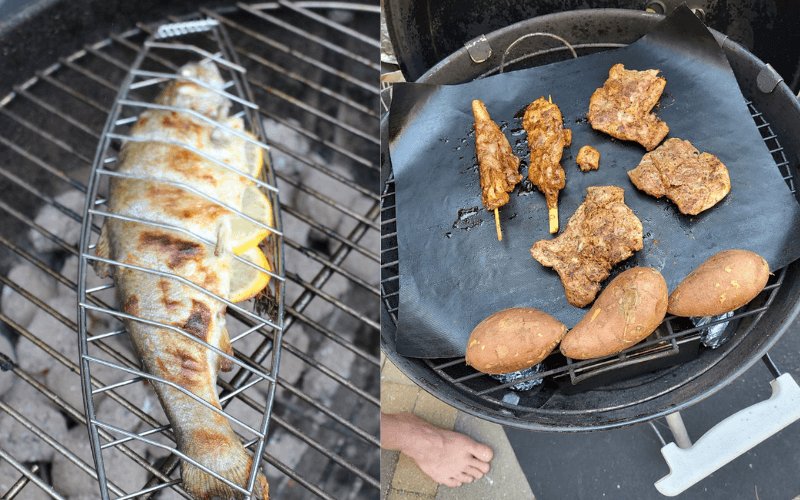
730, 438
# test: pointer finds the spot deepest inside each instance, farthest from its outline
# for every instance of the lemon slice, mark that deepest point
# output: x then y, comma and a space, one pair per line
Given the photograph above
246, 235
247, 281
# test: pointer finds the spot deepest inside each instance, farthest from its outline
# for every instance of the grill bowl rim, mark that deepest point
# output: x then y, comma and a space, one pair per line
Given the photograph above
724, 365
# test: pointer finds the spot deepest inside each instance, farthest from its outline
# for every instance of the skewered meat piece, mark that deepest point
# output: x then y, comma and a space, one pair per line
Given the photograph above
547, 139
622, 106
588, 159
602, 232
499, 167
694, 181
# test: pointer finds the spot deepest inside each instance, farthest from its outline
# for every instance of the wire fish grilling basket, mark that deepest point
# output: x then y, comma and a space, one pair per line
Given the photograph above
103, 366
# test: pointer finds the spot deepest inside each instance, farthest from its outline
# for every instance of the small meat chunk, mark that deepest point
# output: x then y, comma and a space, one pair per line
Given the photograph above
601, 233
694, 181
622, 106
499, 166
588, 158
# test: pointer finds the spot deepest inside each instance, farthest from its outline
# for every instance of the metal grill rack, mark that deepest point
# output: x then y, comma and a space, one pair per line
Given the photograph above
666, 341
315, 84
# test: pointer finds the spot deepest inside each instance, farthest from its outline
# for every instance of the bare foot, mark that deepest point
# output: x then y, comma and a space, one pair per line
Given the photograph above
449, 458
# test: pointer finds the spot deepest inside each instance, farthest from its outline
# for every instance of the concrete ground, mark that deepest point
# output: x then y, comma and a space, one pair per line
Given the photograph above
401, 479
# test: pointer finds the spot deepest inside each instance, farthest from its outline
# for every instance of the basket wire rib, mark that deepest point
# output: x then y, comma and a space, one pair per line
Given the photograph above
348, 242
105, 153
665, 341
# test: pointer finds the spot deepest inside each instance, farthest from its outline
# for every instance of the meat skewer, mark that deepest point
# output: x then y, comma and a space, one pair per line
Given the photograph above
547, 139
499, 166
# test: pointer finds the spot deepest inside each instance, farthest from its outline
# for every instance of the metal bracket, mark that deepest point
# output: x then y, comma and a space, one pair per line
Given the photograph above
183, 28
479, 49
730, 438
768, 79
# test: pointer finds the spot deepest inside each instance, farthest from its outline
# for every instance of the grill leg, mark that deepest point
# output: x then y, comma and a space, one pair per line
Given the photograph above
679, 432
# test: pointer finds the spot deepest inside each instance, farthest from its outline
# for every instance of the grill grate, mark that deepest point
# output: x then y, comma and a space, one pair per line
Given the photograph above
312, 86
558, 370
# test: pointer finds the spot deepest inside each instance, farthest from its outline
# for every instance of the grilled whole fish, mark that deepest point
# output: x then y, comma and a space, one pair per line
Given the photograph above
202, 434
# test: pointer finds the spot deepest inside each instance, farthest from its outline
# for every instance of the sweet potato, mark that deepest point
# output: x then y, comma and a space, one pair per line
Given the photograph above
513, 339
725, 281
627, 311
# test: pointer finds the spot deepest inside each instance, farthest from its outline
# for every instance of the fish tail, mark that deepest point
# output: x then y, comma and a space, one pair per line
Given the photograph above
233, 463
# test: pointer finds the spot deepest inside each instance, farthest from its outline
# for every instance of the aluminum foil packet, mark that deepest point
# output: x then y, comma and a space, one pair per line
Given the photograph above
526, 385
716, 334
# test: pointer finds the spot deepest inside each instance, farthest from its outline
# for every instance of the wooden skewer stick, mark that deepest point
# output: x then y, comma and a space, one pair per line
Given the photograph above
552, 213
497, 225
553, 217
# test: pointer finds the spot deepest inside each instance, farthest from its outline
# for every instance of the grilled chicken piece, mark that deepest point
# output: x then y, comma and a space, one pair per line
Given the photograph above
499, 166
694, 181
202, 434
547, 139
588, 159
602, 232
622, 106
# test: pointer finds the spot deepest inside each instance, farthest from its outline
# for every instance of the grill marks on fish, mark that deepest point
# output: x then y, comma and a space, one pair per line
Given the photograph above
189, 165
182, 204
181, 122
152, 123
184, 161
177, 251
131, 305
186, 367
166, 294
199, 320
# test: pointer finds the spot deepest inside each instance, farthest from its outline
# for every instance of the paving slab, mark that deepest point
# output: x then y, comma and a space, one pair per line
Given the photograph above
434, 411
397, 398
407, 495
408, 477
388, 463
390, 373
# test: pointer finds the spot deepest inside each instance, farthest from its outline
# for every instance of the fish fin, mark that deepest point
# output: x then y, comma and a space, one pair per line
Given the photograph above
236, 123
231, 462
103, 250
223, 238
225, 365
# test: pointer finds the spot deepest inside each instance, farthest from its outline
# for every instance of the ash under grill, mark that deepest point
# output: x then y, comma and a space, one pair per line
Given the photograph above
676, 341
311, 70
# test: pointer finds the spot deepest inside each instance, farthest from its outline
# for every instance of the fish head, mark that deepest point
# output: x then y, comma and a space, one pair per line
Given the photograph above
198, 89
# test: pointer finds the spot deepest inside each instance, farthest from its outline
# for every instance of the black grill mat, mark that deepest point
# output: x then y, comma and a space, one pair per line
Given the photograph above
453, 277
